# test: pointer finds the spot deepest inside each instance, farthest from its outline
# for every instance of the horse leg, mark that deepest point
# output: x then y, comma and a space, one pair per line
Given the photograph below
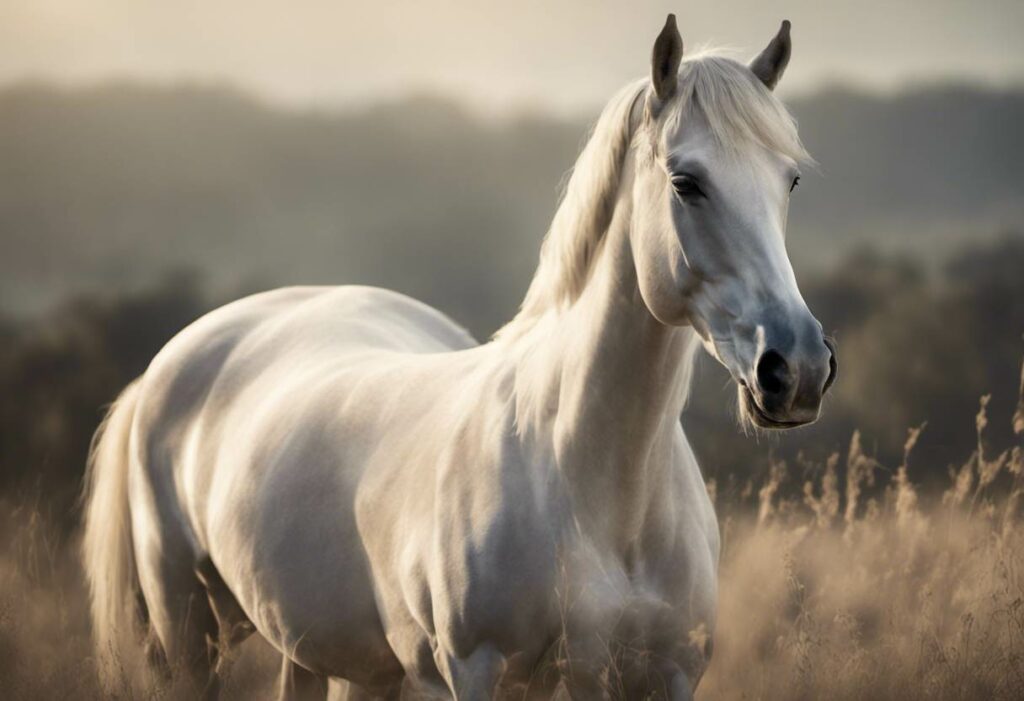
181, 620
664, 679
233, 626
583, 663
473, 678
153, 651
297, 683
680, 689
341, 690
587, 685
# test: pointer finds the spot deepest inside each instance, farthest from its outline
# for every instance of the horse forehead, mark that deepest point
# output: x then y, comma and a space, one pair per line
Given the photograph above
690, 136
699, 153
692, 146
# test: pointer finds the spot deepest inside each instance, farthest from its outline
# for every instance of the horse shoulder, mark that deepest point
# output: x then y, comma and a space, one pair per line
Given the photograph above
683, 544
491, 564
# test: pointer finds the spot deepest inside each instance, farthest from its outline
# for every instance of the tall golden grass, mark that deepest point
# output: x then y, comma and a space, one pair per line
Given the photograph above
45, 641
860, 588
839, 595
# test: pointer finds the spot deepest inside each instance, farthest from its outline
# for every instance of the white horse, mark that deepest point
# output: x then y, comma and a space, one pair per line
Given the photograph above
345, 471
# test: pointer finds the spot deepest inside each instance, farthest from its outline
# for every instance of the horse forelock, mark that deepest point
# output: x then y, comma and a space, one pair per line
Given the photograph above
741, 112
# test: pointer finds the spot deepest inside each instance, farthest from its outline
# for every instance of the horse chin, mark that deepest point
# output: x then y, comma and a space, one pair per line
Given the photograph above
751, 413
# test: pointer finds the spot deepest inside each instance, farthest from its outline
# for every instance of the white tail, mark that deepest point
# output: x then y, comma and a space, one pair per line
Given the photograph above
107, 544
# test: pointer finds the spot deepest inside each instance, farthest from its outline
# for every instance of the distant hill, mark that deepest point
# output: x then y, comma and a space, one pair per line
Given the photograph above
107, 188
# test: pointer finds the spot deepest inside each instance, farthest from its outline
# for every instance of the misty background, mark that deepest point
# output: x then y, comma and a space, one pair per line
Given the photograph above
158, 162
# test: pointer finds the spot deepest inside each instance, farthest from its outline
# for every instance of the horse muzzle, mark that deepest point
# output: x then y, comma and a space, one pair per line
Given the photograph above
788, 381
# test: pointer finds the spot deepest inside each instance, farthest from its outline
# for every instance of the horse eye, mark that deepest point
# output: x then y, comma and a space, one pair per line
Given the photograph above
796, 181
686, 186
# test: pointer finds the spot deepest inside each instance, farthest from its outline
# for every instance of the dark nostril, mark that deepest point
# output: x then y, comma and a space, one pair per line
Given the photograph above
772, 372
833, 365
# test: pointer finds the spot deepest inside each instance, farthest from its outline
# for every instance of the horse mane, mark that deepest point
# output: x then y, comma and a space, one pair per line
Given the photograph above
583, 214
740, 111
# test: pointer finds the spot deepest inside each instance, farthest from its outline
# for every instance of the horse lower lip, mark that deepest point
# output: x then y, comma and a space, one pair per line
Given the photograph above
756, 409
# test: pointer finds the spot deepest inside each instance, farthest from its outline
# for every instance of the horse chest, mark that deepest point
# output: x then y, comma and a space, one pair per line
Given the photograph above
494, 555
534, 579
650, 595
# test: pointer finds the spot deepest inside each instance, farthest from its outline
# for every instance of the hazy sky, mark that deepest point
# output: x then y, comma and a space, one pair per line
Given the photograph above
566, 55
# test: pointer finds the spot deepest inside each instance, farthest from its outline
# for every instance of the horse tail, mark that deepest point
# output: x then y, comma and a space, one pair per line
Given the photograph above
107, 544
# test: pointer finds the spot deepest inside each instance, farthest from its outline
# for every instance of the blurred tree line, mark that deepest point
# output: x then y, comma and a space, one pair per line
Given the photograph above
107, 187
60, 371
914, 347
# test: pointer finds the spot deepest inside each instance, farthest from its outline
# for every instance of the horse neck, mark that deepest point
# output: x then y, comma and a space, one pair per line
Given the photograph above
616, 382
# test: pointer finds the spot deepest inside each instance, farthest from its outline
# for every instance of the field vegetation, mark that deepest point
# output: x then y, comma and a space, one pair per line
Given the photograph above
862, 587
839, 580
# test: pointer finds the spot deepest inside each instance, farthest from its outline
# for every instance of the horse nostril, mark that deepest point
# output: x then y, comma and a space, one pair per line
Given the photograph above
772, 372
833, 365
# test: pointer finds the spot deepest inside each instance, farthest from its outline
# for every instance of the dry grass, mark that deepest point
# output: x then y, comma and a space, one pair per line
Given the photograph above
885, 597
45, 647
852, 589
43, 617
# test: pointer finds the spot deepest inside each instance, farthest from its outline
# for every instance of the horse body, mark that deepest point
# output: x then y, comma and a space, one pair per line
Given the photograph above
428, 525
231, 425
347, 472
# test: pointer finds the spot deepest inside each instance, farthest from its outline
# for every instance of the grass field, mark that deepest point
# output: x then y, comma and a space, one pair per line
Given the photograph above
889, 597
854, 586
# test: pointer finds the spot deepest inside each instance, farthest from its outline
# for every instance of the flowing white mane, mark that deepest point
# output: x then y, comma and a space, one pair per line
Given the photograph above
740, 111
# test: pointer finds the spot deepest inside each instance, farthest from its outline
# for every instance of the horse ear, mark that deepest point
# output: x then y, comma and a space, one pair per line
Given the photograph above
771, 63
665, 59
